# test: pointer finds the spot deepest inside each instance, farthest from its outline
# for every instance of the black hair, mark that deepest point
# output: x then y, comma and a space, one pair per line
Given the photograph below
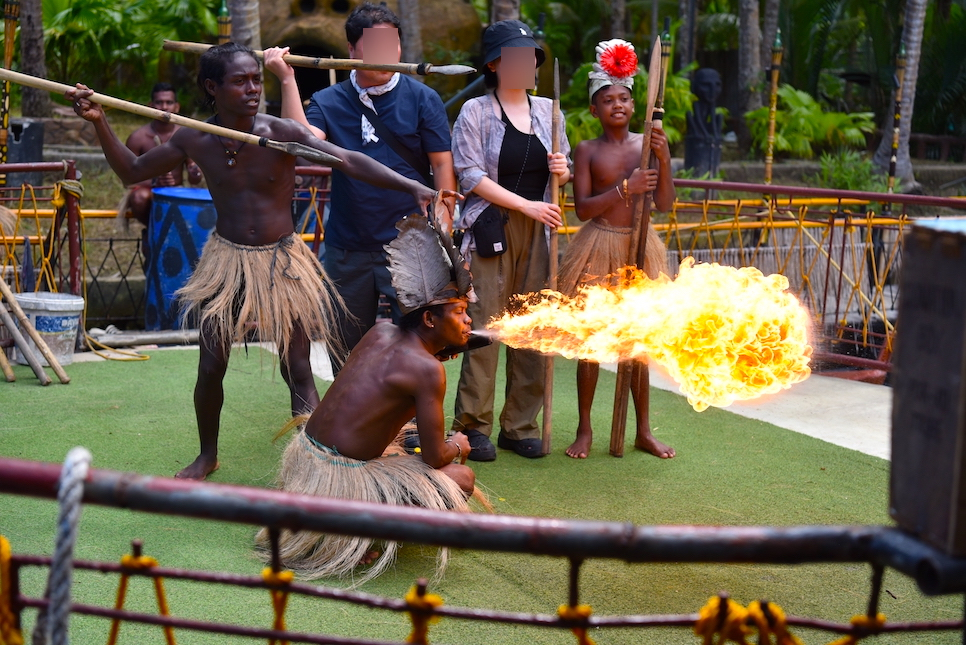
414, 318
213, 65
163, 87
368, 15
490, 79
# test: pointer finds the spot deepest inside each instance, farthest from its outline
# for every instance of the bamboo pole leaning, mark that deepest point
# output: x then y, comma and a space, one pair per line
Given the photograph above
628, 371
421, 69
23, 346
289, 147
32, 333
547, 428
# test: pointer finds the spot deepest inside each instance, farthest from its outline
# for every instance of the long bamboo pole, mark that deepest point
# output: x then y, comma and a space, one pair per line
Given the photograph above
421, 69
34, 336
23, 346
5, 367
11, 14
547, 428
642, 212
289, 147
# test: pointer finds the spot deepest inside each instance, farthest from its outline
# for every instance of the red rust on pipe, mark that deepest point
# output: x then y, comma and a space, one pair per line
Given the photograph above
39, 166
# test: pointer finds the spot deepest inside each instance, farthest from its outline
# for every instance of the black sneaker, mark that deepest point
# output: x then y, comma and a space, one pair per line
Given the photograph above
529, 448
482, 449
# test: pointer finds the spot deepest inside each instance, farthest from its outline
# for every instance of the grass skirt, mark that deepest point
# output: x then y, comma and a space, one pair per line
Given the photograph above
599, 249
309, 468
278, 286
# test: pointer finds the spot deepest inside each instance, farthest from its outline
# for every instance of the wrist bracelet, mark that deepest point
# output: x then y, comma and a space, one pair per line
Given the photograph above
459, 451
627, 195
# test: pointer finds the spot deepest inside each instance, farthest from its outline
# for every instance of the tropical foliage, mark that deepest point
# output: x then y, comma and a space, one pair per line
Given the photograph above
801, 126
847, 169
115, 44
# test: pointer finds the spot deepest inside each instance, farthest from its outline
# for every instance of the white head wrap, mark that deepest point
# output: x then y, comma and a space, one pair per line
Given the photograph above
616, 65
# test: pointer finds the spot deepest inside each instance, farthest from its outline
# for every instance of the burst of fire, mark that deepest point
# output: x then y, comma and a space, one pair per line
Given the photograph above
723, 334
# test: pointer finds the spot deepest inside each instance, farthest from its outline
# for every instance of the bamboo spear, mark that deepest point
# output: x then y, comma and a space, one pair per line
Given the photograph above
11, 14
421, 69
552, 280
290, 147
641, 221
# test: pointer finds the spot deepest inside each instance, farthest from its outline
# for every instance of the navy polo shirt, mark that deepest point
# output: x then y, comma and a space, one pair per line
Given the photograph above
363, 217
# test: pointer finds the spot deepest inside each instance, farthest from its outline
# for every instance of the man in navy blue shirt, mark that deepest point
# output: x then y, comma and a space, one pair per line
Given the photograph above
362, 219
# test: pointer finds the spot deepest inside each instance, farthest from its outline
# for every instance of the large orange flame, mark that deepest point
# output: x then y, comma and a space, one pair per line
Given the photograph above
723, 334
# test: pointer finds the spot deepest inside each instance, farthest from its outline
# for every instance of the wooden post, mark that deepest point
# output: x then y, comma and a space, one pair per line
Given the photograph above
552, 279
625, 369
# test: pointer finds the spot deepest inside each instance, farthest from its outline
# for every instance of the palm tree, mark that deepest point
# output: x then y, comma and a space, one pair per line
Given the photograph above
410, 34
749, 66
34, 103
246, 25
504, 10
913, 26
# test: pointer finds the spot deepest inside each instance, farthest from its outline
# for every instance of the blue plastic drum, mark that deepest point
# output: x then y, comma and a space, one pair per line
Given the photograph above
181, 221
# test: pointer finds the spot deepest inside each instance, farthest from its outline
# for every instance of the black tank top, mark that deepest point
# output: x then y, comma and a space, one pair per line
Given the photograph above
523, 165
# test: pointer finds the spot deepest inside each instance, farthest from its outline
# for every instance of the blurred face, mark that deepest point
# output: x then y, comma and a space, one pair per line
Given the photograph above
516, 68
379, 45
165, 101
613, 105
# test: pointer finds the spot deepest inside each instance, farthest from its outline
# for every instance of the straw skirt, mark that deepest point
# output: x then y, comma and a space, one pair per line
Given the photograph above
277, 287
599, 250
310, 468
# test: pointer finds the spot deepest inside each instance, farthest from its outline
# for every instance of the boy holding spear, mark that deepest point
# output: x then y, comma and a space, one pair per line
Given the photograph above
254, 268
606, 176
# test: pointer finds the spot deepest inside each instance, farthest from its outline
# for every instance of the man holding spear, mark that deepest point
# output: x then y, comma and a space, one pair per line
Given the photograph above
607, 176
254, 268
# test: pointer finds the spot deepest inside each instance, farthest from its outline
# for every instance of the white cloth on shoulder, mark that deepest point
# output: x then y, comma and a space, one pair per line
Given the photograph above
365, 95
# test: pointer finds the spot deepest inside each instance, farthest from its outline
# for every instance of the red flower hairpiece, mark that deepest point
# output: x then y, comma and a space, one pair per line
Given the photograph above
619, 61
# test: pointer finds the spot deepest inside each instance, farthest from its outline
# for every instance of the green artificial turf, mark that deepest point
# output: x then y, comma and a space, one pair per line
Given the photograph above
729, 470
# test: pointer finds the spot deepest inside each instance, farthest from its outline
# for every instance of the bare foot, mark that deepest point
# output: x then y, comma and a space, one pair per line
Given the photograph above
580, 448
645, 441
199, 469
369, 557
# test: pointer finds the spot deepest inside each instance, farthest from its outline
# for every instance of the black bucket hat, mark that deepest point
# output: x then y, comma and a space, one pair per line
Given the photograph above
509, 33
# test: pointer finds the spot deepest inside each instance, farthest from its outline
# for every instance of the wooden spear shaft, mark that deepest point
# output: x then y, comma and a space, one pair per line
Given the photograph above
552, 279
5, 367
289, 147
421, 69
23, 346
642, 214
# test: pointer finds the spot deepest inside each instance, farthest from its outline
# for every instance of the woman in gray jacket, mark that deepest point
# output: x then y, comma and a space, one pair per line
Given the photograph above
502, 155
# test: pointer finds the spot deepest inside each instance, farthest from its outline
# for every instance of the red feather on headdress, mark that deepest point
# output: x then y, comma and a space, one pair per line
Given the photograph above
619, 61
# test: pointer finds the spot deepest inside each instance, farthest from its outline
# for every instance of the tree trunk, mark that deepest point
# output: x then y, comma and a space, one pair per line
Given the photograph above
411, 33
35, 103
912, 30
768, 32
618, 13
246, 29
504, 10
749, 67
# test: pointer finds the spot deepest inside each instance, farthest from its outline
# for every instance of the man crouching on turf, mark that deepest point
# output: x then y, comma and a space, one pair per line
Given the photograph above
254, 269
346, 448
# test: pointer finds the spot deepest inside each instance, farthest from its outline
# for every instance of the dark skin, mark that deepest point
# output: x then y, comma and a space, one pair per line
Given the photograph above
391, 376
253, 199
600, 166
151, 136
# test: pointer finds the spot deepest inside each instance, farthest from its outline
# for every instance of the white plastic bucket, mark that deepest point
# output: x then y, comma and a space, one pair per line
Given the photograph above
55, 316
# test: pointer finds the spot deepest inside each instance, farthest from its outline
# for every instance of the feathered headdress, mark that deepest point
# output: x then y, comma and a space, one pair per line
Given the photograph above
616, 65
426, 268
